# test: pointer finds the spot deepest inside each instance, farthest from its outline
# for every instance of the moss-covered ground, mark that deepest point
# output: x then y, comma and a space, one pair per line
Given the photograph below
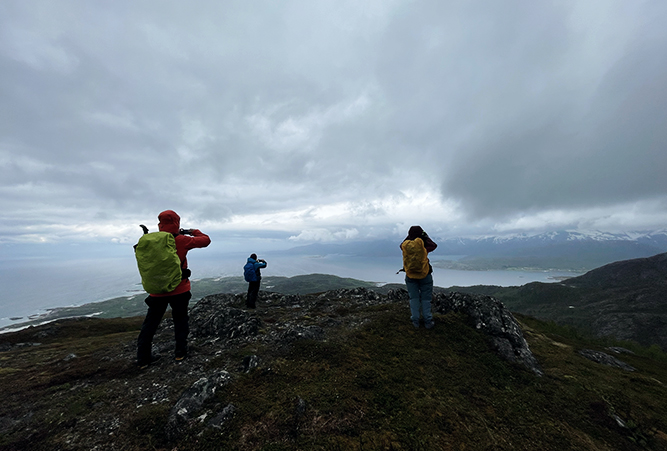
383, 386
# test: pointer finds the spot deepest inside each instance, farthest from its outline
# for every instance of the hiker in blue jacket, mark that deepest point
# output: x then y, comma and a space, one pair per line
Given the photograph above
253, 277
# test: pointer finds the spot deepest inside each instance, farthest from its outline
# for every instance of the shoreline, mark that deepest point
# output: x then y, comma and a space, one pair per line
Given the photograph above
128, 298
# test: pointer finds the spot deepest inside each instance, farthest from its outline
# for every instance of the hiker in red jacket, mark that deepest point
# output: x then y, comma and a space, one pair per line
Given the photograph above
418, 274
178, 299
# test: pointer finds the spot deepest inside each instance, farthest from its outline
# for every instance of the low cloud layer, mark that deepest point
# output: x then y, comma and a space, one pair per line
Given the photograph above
331, 120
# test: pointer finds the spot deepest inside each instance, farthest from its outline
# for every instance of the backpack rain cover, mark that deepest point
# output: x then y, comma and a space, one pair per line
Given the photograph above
415, 259
158, 262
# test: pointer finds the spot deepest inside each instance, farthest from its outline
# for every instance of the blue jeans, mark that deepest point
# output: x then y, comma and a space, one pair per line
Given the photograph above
421, 293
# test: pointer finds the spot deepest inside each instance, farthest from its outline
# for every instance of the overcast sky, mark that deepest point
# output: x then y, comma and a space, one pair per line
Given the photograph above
331, 120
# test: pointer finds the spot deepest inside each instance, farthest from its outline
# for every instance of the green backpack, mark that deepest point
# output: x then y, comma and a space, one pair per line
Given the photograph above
158, 262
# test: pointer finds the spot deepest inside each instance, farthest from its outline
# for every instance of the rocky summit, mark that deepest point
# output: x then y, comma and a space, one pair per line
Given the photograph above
343, 369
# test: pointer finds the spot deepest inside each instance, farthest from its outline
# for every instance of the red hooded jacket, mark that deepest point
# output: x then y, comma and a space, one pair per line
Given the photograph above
171, 222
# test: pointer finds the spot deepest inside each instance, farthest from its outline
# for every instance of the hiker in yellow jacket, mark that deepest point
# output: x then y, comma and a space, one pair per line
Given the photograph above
418, 274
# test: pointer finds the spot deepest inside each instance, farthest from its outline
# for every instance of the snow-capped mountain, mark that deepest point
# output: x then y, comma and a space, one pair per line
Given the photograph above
561, 250
657, 239
576, 250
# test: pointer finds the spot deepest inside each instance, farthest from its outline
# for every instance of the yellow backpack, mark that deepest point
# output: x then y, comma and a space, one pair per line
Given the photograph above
415, 258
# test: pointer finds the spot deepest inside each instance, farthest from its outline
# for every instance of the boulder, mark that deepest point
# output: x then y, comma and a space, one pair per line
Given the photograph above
298, 332
212, 317
191, 402
489, 316
605, 359
219, 420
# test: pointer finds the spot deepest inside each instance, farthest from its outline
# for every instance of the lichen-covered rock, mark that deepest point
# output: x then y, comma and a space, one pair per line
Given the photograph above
398, 295
250, 362
298, 332
620, 350
212, 317
219, 420
267, 298
358, 294
489, 316
605, 359
191, 401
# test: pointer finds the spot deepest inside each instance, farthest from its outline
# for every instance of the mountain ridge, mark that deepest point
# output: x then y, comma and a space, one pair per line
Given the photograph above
624, 299
560, 250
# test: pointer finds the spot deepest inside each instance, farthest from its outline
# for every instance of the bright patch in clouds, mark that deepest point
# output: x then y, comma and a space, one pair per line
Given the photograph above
280, 130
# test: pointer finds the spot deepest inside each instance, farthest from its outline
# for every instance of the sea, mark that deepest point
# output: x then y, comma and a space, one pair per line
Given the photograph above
32, 287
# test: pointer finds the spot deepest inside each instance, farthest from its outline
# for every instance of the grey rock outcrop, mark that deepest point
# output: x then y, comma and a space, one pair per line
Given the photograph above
213, 317
489, 316
250, 362
219, 421
605, 359
218, 316
192, 400
302, 332
360, 295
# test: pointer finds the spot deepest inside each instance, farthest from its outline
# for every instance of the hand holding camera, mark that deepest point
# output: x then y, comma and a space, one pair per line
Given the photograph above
185, 231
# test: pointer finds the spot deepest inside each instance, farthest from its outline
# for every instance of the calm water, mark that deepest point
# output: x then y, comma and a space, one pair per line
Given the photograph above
30, 288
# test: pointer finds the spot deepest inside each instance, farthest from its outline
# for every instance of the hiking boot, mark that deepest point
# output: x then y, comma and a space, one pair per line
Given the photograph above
430, 325
416, 324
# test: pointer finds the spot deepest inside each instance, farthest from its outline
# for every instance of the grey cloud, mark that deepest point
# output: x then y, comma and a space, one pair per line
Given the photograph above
503, 106
577, 149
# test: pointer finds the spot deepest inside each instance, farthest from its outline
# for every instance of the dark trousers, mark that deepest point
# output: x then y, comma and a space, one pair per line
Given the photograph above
156, 308
253, 292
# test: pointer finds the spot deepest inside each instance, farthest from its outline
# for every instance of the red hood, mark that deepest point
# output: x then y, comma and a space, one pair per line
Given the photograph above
169, 222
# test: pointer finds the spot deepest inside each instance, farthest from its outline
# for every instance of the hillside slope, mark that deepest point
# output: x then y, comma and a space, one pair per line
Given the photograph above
626, 300
340, 370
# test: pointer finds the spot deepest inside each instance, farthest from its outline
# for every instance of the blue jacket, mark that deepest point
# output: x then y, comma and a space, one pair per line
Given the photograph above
251, 270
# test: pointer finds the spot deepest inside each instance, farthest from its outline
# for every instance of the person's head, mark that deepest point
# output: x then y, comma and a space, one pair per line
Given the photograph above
253, 256
169, 221
415, 232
